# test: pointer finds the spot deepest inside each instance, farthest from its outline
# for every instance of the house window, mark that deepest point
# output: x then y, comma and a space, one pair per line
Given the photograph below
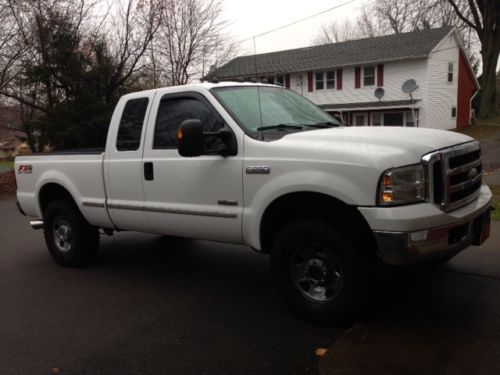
330, 80
325, 80
369, 76
274, 80
394, 119
454, 112
450, 72
409, 119
320, 82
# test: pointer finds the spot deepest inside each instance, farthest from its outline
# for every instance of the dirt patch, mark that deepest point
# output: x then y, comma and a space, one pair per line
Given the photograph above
7, 184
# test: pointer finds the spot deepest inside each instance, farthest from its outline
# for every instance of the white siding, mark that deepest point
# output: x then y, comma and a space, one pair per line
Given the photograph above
441, 95
395, 73
437, 95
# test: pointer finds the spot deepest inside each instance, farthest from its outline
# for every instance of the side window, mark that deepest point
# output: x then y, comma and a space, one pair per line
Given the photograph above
173, 111
450, 72
130, 129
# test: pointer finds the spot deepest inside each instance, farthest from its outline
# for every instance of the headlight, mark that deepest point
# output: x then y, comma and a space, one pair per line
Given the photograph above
402, 186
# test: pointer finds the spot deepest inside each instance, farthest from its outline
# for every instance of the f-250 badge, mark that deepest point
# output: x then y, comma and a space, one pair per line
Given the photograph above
25, 169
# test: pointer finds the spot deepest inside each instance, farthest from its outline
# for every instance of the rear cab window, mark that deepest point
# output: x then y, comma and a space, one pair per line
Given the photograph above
131, 123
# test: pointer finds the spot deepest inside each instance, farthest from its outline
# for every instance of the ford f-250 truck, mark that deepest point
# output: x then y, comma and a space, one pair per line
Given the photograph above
262, 166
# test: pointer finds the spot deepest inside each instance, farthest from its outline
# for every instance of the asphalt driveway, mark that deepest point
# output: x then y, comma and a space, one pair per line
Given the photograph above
149, 305
152, 305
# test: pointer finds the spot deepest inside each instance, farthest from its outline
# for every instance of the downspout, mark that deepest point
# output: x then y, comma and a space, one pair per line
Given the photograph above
470, 106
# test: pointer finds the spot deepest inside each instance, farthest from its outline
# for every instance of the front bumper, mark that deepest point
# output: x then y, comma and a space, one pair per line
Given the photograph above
445, 234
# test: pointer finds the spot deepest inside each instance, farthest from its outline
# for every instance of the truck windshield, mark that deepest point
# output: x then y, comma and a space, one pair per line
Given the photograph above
280, 110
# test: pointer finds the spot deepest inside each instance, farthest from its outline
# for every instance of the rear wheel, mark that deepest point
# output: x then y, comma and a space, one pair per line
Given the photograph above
71, 240
319, 272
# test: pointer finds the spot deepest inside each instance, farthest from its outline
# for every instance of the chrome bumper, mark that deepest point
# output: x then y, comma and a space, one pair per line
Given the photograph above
400, 248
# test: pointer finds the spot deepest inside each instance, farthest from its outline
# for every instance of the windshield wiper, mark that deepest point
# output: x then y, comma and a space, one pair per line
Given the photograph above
327, 124
280, 127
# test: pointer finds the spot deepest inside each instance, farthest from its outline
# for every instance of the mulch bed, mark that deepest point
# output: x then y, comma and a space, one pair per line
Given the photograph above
7, 184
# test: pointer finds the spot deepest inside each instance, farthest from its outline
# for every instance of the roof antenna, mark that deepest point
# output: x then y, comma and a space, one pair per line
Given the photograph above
258, 88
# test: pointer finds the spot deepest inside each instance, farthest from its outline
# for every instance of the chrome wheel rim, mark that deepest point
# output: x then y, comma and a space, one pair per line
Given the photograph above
317, 273
61, 230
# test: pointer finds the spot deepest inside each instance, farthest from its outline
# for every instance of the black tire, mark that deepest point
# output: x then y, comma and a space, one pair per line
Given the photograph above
71, 240
319, 272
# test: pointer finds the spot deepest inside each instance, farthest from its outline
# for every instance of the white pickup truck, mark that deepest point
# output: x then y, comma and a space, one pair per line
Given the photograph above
262, 166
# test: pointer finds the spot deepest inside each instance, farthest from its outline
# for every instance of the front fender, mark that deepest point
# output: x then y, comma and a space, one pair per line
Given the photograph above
260, 193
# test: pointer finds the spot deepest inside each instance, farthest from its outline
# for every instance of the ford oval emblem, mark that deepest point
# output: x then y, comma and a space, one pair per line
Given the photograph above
472, 173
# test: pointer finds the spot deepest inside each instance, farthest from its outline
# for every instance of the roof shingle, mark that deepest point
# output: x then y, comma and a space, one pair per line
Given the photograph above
416, 44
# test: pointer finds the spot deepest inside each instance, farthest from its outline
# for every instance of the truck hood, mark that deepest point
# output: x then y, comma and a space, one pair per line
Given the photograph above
383, 147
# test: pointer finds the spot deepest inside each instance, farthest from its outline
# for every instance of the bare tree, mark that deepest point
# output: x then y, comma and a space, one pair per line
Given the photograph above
190, 38
483, 16
335, 32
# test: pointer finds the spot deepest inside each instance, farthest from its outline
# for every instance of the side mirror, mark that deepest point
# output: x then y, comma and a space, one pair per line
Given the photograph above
190, 138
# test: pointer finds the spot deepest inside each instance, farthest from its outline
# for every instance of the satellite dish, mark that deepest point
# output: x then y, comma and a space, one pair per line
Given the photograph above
409, 86
379, 93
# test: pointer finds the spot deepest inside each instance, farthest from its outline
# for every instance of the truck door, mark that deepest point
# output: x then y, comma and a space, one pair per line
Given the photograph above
199, 197
123, 162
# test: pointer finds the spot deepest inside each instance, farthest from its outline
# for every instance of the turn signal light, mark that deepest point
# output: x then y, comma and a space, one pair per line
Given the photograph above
179, 134
387, 197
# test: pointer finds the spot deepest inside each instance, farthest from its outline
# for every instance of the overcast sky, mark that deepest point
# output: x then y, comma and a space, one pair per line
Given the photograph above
252, 17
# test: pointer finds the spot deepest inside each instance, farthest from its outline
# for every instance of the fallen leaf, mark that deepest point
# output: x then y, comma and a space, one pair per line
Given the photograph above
320, 352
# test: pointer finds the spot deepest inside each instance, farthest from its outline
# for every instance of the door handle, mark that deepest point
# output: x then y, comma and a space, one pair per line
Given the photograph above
148, 171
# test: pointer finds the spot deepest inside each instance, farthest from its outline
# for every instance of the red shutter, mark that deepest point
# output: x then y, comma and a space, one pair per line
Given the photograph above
357, 78
339, 79
287, 81
380, 75
309, 81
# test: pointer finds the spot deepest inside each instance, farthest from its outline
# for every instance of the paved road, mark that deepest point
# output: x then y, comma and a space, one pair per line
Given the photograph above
149, 306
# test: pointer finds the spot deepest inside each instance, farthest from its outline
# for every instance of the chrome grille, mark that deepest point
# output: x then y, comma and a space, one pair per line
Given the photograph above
454, 175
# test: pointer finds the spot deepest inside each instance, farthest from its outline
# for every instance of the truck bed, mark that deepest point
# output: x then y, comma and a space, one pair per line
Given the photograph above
80, 172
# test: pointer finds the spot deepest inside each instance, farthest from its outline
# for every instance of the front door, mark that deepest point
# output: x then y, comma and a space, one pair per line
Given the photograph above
199, 197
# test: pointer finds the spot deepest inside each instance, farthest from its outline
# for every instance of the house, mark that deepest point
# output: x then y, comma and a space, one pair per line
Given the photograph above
342, 78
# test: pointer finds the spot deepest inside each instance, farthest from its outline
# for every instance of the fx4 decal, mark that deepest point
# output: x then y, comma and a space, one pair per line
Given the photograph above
25, 169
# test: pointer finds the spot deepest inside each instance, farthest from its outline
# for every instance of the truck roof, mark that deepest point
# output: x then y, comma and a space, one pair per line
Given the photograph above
197, 86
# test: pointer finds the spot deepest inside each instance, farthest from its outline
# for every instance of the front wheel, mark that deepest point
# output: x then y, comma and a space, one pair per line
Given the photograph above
71, 240
319, 272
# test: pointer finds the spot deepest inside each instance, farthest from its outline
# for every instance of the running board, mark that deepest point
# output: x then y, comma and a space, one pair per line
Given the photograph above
36, 224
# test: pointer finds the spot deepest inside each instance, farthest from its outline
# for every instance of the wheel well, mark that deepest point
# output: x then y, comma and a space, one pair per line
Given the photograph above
51, 192
316, 206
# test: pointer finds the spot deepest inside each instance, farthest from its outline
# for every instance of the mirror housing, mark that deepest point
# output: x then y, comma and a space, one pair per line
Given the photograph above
190, 138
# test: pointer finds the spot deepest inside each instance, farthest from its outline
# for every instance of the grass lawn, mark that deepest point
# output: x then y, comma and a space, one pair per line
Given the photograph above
6, 164
482, 129
495, 215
